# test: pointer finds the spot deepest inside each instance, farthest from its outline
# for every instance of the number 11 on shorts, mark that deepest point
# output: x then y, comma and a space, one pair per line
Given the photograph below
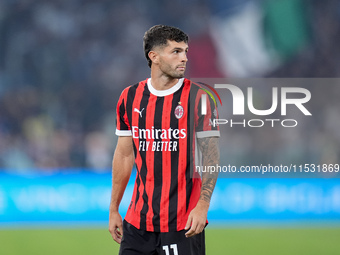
172, 247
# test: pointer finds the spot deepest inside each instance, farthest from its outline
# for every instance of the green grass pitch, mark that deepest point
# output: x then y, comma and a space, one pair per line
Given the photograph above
243, 241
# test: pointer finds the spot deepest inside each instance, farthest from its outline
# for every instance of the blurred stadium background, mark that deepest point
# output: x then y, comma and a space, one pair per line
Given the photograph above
63, 65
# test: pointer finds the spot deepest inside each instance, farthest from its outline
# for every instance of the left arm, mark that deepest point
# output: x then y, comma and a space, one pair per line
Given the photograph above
211, 157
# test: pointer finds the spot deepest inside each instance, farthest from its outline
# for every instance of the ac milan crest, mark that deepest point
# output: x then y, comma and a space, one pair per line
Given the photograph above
179, 111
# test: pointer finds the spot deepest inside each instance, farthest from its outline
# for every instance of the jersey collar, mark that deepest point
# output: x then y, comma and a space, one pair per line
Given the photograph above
163, 93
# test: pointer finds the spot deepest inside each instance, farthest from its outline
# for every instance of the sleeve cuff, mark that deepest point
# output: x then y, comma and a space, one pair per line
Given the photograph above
209, 133
123, 132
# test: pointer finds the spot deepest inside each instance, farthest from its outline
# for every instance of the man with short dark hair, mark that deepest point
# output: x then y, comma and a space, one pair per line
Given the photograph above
159, 121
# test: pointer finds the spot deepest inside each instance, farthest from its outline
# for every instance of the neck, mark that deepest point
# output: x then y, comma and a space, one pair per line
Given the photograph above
162, 82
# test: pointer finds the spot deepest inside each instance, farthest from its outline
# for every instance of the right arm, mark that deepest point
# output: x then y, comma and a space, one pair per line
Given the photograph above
122, 165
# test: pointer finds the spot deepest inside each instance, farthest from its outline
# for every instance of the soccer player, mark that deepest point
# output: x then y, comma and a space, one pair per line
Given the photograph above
159, 123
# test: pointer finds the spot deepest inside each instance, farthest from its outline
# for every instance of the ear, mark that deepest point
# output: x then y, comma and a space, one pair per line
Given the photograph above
154, 56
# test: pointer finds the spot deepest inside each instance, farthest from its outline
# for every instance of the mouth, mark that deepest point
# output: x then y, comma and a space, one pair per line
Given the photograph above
181, 67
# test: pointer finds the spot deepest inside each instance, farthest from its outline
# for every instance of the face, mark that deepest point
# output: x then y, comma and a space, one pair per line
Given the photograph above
172, 59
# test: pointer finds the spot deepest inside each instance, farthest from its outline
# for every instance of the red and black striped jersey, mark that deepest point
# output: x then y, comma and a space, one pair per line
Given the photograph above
164, 125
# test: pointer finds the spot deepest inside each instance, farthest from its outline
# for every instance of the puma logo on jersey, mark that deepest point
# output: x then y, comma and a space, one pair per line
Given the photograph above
140, 112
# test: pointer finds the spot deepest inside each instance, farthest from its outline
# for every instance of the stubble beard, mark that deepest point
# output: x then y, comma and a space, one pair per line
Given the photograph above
176, 75
172, 73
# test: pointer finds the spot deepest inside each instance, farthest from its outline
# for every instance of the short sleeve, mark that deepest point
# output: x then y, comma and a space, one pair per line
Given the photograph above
123, 127
206, 113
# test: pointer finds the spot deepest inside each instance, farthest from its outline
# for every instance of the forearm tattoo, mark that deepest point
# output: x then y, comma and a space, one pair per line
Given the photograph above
209, 147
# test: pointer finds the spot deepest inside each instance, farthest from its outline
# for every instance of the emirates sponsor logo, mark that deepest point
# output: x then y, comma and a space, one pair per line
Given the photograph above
158, 146
148, 138
157, 133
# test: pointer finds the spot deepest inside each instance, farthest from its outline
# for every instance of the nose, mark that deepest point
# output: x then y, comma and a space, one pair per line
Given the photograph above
184, 57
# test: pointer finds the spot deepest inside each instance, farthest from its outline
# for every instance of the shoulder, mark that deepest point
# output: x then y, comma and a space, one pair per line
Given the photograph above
132, 88
196, 89
194, 86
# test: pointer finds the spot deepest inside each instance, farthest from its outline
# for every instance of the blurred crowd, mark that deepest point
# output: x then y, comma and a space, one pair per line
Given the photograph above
64, 63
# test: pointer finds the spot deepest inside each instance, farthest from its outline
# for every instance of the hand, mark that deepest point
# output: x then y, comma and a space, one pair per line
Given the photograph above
197, 219
116, 226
